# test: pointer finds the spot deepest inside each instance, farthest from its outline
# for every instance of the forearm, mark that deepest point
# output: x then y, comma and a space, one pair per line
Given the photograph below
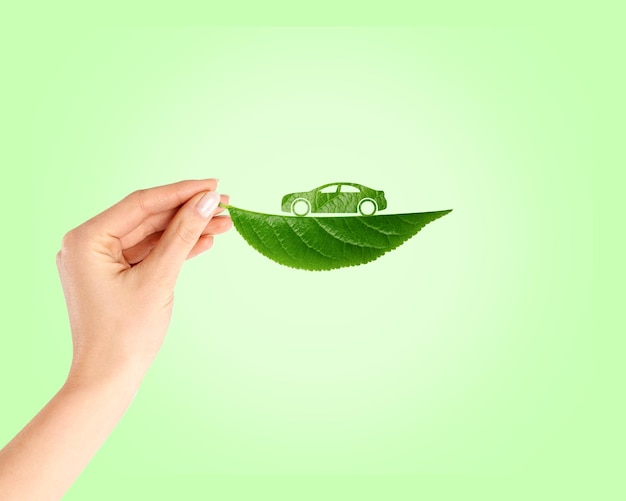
45, 458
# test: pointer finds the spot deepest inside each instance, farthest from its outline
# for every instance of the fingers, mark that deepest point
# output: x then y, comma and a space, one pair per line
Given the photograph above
180, 237
157, 223
205, 242
139, 252
125, 216
217, 226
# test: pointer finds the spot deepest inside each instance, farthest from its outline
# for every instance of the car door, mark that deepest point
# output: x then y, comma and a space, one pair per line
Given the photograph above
348, 198
324, 198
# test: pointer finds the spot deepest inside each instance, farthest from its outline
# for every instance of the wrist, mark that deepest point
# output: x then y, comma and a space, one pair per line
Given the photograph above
123, 379
108, 359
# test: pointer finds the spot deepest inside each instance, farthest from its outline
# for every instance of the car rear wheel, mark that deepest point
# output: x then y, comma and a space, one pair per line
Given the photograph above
301, 207
367, 207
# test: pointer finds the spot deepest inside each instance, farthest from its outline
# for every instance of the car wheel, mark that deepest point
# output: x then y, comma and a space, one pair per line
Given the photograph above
301, 207
367, 207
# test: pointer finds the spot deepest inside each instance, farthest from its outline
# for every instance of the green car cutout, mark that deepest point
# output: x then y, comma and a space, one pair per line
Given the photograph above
335, 198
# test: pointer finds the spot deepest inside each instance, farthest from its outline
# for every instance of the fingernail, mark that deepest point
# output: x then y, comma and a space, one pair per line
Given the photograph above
208, 203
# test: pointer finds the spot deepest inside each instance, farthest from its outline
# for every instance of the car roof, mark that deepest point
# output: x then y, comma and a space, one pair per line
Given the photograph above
349, 184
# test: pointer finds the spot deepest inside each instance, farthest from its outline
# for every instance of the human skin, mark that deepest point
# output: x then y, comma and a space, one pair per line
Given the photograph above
118, 272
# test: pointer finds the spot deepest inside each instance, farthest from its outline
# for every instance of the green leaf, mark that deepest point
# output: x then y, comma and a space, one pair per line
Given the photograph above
326, 243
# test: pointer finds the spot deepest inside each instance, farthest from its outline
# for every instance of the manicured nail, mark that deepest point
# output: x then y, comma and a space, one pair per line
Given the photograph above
208, 204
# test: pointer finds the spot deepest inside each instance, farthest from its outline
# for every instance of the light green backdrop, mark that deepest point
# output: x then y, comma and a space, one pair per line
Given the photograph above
463, 358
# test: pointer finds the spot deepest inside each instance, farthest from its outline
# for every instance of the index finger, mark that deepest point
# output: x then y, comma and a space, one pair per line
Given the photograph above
126, 215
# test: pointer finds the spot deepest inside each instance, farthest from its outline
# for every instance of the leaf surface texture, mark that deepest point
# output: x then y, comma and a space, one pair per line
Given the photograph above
326, 243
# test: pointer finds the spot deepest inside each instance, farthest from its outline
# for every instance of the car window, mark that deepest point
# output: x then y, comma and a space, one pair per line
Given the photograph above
346, 188
329, 189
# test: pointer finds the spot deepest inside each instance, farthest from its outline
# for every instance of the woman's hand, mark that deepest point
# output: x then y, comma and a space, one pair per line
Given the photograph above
118, 272
119, 269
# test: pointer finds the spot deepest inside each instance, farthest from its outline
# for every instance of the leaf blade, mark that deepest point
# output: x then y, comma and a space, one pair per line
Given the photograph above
327, 243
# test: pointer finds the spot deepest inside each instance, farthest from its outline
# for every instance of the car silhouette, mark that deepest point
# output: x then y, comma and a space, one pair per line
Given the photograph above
335, 198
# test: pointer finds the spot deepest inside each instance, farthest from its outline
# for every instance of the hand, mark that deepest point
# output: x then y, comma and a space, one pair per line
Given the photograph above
118, 272
119, 269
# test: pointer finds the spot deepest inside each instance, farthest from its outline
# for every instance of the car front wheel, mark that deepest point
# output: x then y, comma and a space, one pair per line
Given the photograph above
367, 207
301, 207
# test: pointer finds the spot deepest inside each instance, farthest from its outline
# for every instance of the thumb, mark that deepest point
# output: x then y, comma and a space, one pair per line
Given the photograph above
181, 235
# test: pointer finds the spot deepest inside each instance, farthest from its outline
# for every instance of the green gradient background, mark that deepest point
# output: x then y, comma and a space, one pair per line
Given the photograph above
460, 364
